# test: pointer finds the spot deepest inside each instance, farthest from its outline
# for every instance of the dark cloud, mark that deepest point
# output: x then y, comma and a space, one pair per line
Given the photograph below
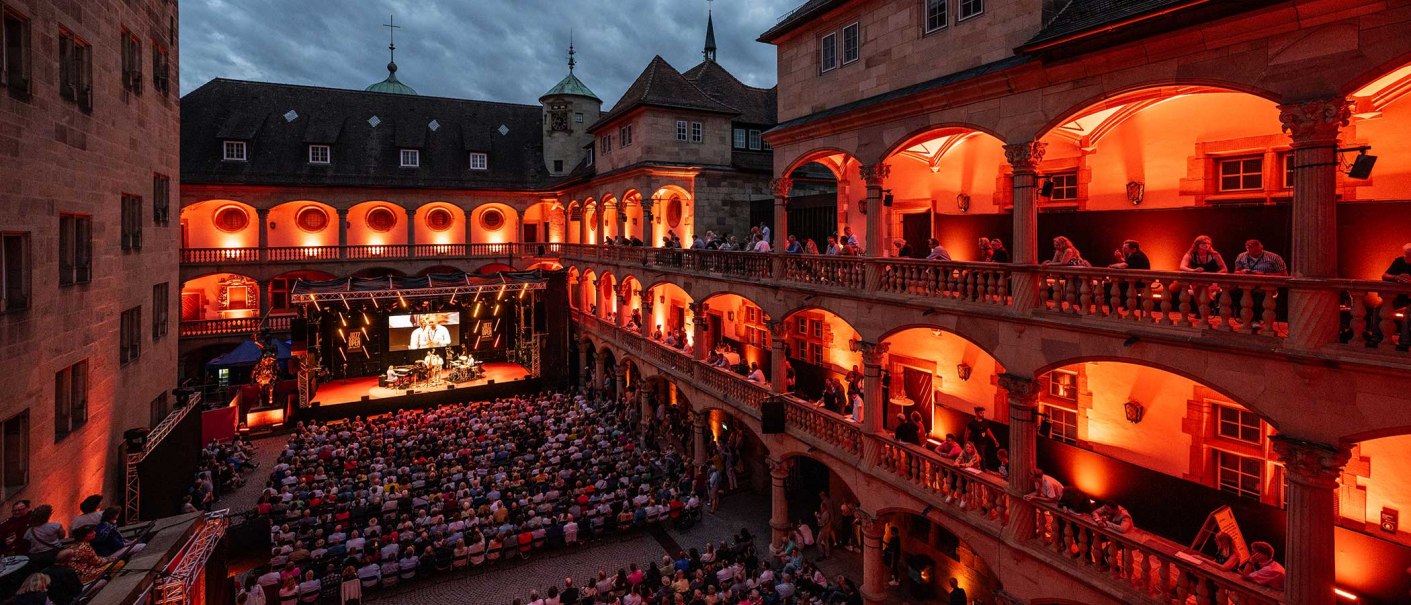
500, 50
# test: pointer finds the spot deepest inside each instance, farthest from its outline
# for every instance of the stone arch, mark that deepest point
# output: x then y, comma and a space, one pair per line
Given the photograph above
238, 225
591, 222
573, 223
938, 373
302, 223
674, 210
1108, 96
948, 168
634, 224
612, 216
441, 223
277, 288
1194, 375
669, 306
377, 223
814, 155
494, 223
973, 549
819, 344
223, 295
542, 222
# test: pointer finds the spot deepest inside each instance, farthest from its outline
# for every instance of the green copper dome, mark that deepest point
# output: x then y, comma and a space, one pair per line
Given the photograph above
392, 85
571, 85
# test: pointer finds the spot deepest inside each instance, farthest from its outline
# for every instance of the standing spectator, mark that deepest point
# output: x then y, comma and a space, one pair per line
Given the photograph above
998, 253
1130, 256
794, 247
833, 248
1113, 516
1046, 488
1203, 258
978, 432
1255, 260
810, 247
903, 248
1400, 272
1065, 254
987, 250
938, 252
957, 594
1261, 568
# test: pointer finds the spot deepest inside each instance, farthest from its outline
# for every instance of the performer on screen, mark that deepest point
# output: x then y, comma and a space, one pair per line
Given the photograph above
430, 334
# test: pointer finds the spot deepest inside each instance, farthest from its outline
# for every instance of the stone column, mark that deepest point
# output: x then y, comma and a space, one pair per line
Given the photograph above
872, 404
874, 568
699, 426
263, 215
621, 379
583, 364
342, 214
1024, 244
842, 204
1312, 471
779, 525
698, 327
875, 176
1313, 127
411, 231
781, 188
778, 356
647, 318
598, 368
623, 312
646, 400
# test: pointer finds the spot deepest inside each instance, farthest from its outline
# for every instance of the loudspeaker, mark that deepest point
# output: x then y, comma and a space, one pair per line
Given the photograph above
411, 391
771, 417
491, 381
367, 398
450, 386
1362, 166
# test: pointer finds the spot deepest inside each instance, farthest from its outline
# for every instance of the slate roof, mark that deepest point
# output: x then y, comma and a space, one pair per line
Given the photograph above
570, 85
797, 17
1081, 15
660, 85
755, 105
362, 154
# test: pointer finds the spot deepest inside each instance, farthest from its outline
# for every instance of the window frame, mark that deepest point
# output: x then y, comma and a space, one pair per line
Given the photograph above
697, 132
161, 68
682, 130
1239, 424
131, 52
484, 160
1242, 174
13, 485
926, 6
624, 135
131, 208
228, 147
75, 247
161, 198
756, 142
24, 266
577, 117
413, 154
21, 86
960, 15
1287, 171
827, 51
1238, 473
856, 28
161, 310
130, 336
739, 138
70, 399
325, 150
1070, 190
75, 70
1060, 427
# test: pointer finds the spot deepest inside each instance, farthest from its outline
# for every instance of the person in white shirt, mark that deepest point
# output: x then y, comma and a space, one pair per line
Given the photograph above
1046, 488
761, 244
756, 374
938, 252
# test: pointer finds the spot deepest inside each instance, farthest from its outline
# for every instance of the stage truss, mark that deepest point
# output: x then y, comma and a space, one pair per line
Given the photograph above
346, 297
176, 584
132, 508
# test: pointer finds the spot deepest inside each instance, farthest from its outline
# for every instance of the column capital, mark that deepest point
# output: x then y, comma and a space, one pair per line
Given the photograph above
781, 187
874, 174
1025, 157
779, 467
1019, 387
778, 329
1309, 463
700, 419
871, 525
1317, 121
872, 352
697, 309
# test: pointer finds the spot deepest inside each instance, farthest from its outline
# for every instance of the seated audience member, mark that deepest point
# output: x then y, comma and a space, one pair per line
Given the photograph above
86, 562
91, 514
756, 374
794, 246
1046, 488
108, 540
1065, 254
13, 529
34, 590
45, 537
950, 448
1255, 260
998, 253
938, 252
65, 586
1130, 256
1261, 568
1113, 516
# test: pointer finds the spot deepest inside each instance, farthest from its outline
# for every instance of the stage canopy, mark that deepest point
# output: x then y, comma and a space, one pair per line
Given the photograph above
247, 353
440, 284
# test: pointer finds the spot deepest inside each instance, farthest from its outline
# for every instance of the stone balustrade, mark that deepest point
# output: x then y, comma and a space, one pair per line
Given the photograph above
234, 325
972, 493
828, 427
223, 256
1247, 304
1373, 315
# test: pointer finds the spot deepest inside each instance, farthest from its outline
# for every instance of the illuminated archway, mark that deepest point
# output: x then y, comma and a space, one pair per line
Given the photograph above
439, 223
574, 222
494, 224
591, 218
588, 289
612, 217
1372, 494
1381, 117
736, 327
537, 225
377, 223
221, 296
820, 349
220, 223
670, 308
631, 209
827, 189
673, 211
303, 223
439, 270
607, 297
941, 376
575, 292
946, 170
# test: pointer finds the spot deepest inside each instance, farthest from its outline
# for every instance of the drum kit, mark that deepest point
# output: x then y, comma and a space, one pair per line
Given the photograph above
427, 372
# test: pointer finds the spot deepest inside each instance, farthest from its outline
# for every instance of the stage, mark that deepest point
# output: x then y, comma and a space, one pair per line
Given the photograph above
349, 390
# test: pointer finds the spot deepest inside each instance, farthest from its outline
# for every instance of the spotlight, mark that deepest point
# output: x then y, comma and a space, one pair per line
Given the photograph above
1046, 190
887, 198
1362, 166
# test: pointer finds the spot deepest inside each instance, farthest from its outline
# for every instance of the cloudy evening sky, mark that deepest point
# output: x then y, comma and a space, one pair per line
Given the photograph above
499, 50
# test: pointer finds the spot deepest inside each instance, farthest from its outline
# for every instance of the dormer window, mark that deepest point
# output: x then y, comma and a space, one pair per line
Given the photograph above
479, 161
320, 154
234, 151
578, 118
411, 158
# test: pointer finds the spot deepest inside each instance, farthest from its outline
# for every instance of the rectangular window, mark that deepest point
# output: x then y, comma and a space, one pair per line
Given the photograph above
130, 335
591, 153
320, 154
411, 158
558, 165
680, 130
1063, 384
1288, 170
15, 44
1239, 475
479, 161
75, 249
233, 151
578, 118
75, 70
850, 43
1238, 424
1065, 186
131, 222
1063, 424
936, 18
624, 134
607, 143
14, 271
14, 448
696, 134
161, 304
131, 62
828, 53
159, 408
1241, 174
755, 141
70, 399
737, 140
161, 69
161, 199
969, 8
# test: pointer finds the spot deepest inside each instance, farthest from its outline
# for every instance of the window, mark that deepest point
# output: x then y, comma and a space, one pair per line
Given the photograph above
696, 134
15, 69
850, 43
1063, 424
130, 335
969, 8
558, 165
161, 199
607, 143
681, 130
70, 399
14, 271
1063, 384
936, 17
737, 139
131, 222
624, 134
1239, 475
131, 63
161, 69
411, 158
1288, 170
320, 154
1065, 186
75, 249
754, 140
160, 306
234, 151
828, 53
14, 448
578, 118
1240, 425
1241, 174
590, 155
75, 70
479, 161
159, 408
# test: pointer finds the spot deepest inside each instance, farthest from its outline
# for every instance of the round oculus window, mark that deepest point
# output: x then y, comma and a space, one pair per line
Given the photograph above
439, 219
492, 220
232, 219
673, 212
381, 219
311, 219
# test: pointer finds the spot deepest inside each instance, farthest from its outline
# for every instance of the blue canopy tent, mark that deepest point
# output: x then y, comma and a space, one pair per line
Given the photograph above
247, 353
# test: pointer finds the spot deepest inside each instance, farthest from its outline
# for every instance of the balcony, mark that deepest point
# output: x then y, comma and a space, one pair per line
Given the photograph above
237, 325
1134, 567
305, 254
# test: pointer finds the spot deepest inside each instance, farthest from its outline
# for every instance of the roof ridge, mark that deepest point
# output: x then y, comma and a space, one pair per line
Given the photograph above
359, 91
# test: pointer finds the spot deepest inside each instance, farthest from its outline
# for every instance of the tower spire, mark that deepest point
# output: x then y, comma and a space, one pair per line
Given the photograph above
710, 32
571, 61
392, 28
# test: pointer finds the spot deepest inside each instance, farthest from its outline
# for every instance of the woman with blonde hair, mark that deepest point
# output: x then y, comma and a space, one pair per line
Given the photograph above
1203, 258
34, 591
1065, 253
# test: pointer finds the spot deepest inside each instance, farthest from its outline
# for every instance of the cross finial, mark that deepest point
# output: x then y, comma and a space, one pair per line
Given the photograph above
392, 28
709, 52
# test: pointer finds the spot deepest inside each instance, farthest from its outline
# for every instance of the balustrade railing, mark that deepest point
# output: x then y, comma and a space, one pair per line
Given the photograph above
298, 253
220, 255
1221, 302
828, 427
234, 325
971, 282
1373, 315
364, 252
842, 272
1160, 571
742, 265
971, 492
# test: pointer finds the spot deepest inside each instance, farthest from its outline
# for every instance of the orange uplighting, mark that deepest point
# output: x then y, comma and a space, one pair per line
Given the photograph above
1345, 595
256, 419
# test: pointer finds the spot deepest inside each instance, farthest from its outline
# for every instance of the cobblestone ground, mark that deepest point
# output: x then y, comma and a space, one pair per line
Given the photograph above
244, 498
